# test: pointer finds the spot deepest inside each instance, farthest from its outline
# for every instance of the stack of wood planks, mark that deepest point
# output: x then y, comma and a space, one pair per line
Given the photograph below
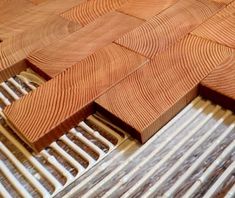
138, 62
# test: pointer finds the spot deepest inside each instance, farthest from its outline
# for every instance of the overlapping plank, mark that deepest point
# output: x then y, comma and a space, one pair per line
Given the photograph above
56, 106
219, 86
170, 26
59, 56
145, 9
18, 47
91, 10
148, 98
220, 28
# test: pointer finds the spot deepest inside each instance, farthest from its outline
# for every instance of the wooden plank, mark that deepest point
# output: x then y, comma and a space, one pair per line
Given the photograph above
59, 56
45, 114
36, 2
145, 9
18, 47
37, 27
10, 9
57, 6
220, 28
144, 101
223, 1
34, 17
89, 11
219, 86
170, 26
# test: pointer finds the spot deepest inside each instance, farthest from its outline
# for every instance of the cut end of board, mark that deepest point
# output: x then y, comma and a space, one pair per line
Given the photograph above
38, 143
219, 86
144, 134
217, 97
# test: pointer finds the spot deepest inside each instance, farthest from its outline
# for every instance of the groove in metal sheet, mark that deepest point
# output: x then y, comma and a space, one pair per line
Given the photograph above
217, 185
123, 177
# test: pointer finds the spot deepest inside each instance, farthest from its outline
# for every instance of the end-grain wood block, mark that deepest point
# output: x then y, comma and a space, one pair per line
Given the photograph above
168, 27
220, 28
57, 6
148, 98
33, 17
145, 9
219, 86
16, 48
36, 2
58, 105
91, 10
59, 56
32, 30
223, 1
10, 9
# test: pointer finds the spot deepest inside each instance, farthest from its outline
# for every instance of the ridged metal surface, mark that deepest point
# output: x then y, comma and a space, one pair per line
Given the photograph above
191, 156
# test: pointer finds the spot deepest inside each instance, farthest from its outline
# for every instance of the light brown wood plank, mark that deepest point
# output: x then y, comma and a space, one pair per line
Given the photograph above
170, 26
220, 28
145, 9
32, 30
45, 114
144, 101
219, 86
10, 9
57, 6
57, 57
91, 10
18, 47
36, 2
34, 17
223, 1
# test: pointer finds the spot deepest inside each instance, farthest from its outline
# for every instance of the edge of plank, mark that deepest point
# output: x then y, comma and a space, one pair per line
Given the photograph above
154, 126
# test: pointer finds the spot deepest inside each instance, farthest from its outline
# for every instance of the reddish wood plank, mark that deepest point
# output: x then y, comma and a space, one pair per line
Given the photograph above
18, 47
45, 114
57, 6
220, 28
170, 26
145, 9
91, 10
219, 86
59, 56
36, 2
34, 17
10, 9
144, 101
37, 27
223, 1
